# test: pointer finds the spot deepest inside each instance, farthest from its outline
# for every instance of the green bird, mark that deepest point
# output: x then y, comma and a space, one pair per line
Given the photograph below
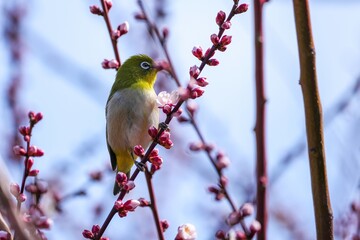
130, 110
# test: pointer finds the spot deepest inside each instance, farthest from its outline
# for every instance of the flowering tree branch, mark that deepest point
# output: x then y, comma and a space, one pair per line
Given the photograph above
193, 90
314, 121
261, 161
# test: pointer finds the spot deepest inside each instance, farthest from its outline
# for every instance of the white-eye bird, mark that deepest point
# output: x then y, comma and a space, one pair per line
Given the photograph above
130, 110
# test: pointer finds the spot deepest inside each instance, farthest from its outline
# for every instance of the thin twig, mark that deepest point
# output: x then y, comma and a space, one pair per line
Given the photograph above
314, 121
110, 30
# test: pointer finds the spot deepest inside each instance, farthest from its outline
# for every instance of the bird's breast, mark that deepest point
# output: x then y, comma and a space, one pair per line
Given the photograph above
130, 112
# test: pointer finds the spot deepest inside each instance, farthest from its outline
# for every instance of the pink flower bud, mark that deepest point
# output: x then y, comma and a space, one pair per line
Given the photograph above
213, 62
35, 151
139, 151
87, 234
194, 71
38, 117
43, 223
226, 25
255, 227
213, 189
196, 146
223, 181
115, 34
246, 209
242, 8
129, 186
153, 132
157, 161
34, 172
24, 130
27, 138
143, 202
197, 52
222, 161
131, 205
96, 175
21, 197
154, 153
220, 18
202, 82
95, 229
166, 109
220, 235
32, 150
240, 235
209, 147
29, 163
31, 115
162, 65
168, 144
165, 32
15, 189
113, 64
154, 168
107, 64
164, 136
196, 92
214, 39
140, 16
118, 205
186, 232
96, 10
233, 218
225, 40
123, 28
121, 178
108, 4
164, 224
18, 150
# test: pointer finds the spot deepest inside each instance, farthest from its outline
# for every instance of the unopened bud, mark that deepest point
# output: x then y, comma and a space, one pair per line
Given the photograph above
220, 18
242, 8
96, 10
226, 25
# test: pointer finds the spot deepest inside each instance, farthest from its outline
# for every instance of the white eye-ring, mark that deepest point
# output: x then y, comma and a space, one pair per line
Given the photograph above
145, 65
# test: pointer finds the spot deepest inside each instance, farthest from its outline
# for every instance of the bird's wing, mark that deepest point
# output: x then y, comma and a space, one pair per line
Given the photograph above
111, 153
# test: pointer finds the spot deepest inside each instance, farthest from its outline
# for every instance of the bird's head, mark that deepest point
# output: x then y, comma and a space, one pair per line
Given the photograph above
138, 71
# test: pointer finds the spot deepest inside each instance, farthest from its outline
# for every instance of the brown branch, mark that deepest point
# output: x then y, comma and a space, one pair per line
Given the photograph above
153, 206
109, 28
314, 121
261, 161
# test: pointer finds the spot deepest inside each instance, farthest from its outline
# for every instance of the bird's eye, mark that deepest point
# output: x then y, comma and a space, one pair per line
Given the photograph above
145, 65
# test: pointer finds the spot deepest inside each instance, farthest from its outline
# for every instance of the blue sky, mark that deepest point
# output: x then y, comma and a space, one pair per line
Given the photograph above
63, 78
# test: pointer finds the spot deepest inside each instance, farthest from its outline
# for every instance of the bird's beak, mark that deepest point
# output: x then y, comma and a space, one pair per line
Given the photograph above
161, 65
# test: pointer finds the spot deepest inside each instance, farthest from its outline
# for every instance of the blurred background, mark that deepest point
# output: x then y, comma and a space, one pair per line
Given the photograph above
50, 62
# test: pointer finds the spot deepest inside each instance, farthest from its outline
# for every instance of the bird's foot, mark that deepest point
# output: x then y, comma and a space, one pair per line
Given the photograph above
164, 126
140, 165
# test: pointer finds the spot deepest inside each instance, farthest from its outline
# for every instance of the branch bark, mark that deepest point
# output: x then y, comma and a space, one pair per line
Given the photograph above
314, 121
261, 160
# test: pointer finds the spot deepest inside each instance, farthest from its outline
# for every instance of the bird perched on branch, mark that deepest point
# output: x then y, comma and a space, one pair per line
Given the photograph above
130, 110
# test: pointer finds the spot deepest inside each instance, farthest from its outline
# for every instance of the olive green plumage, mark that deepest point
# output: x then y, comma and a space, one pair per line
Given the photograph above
130, 110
